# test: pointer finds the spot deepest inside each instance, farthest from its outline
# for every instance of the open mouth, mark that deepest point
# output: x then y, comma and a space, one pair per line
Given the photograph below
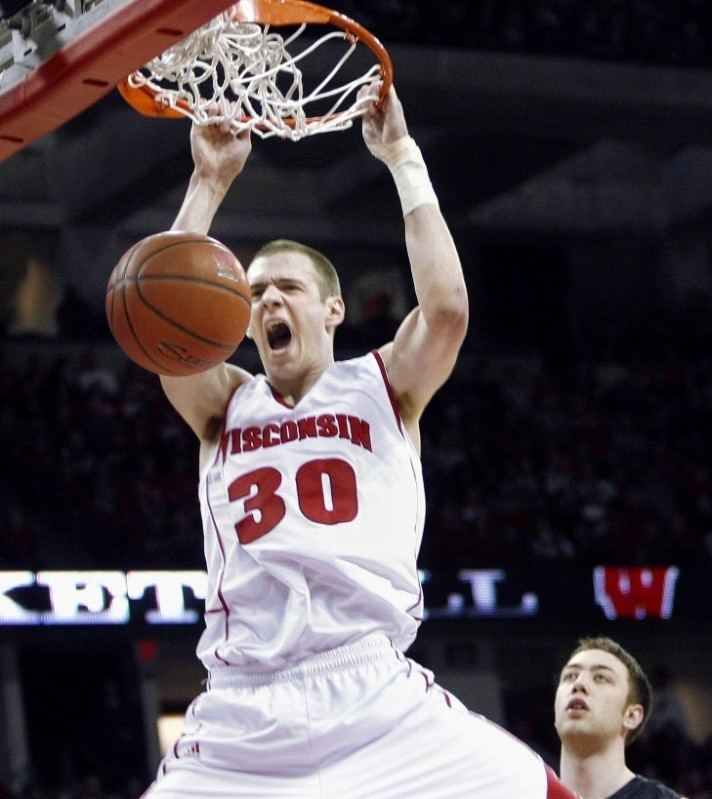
278, 336
577, 704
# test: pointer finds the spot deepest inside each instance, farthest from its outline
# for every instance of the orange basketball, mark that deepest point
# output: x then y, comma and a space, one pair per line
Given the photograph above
178, 303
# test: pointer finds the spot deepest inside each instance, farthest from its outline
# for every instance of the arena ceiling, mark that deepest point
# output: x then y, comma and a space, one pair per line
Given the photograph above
539, 146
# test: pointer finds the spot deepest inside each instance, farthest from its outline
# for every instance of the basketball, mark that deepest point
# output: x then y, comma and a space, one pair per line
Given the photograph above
178, 303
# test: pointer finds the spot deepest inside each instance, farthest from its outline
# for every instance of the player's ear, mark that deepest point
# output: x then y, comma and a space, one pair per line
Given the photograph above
633, 717
335, 312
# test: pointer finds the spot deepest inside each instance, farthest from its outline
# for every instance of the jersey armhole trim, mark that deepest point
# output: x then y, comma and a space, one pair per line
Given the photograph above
232, 397
220, 441
389, 388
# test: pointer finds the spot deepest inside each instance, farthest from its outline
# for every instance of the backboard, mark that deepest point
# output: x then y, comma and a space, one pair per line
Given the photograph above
55, 64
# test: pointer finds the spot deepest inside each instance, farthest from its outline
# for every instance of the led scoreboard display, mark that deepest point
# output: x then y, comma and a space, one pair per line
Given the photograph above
150, 598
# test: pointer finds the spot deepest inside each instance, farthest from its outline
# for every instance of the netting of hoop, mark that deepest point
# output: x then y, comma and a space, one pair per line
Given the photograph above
242, 73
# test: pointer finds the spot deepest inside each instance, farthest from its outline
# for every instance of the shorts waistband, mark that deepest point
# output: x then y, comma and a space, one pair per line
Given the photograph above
365, 650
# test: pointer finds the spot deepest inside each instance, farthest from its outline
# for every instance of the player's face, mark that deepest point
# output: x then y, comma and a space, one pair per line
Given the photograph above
290, 322
592, 705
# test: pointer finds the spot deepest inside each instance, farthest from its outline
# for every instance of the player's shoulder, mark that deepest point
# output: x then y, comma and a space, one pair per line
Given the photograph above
201, 399
367, 372
645, 788
367, 363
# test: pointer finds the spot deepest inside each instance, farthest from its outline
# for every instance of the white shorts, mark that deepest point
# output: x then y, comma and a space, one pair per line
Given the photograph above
359, 722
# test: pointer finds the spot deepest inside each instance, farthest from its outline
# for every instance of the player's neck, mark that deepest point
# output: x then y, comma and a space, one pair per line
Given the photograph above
594, 774
292, 388
292, 372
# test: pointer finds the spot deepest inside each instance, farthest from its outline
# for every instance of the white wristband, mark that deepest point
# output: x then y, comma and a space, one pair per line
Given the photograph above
406, 163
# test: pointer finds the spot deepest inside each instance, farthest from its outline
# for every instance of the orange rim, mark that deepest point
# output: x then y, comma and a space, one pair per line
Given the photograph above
276, 13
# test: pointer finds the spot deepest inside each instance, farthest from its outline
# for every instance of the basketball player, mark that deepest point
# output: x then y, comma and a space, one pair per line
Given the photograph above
602, 702
312, 500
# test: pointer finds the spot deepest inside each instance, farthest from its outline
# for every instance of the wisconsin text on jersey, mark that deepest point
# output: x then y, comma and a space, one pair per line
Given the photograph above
326, 425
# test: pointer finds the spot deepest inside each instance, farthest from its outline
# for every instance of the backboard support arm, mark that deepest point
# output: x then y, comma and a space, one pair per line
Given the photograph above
115, 38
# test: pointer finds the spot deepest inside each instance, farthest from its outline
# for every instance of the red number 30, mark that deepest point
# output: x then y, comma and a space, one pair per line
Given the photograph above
326, 490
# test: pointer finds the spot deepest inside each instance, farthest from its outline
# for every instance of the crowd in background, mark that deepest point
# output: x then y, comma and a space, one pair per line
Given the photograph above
643, 31
604, 460
588, 456
90, 786
97, 468
600, 459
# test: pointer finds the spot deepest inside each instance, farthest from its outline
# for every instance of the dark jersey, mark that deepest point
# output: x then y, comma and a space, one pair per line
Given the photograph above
642, 788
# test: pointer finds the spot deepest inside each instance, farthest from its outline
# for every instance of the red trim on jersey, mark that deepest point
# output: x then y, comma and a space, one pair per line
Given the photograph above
429, 683
224, 604
556, 789
223, 426
230, 399
278, 397
416, 603
419, 619
409, 663
389, 389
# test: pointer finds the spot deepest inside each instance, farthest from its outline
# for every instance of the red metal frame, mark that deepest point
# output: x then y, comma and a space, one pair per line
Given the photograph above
89, 66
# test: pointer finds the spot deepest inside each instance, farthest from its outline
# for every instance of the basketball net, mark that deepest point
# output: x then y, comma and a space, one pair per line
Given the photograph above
248, 75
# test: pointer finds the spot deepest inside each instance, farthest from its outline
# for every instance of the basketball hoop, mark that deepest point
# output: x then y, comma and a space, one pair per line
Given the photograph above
237, 69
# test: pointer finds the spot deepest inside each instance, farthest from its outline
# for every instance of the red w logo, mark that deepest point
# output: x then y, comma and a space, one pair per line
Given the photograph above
635, 592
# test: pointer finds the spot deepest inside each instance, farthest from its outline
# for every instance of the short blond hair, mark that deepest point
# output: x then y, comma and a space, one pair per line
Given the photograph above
327, 277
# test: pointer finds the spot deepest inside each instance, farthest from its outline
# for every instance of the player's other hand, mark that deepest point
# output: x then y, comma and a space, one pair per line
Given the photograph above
218, 152
381, 126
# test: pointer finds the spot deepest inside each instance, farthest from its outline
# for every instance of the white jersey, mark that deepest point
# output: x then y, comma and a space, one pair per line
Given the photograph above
313, 518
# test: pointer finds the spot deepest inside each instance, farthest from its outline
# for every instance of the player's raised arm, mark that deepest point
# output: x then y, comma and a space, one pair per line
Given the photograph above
218, 157
425, 348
